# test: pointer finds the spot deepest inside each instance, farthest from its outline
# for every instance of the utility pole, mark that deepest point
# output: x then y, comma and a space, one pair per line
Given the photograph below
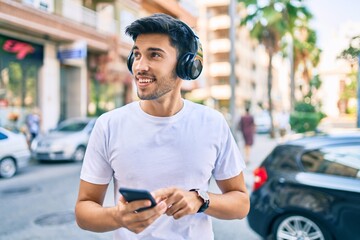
292, 72
358, 94
232, 11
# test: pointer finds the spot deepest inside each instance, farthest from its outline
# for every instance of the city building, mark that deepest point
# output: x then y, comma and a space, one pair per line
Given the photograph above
251, 63
67, 58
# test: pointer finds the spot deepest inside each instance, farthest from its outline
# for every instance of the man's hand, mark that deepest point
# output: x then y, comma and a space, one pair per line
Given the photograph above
134, 221
179, 202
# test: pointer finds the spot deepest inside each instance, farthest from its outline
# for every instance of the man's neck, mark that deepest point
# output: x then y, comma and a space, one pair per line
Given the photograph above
162, 107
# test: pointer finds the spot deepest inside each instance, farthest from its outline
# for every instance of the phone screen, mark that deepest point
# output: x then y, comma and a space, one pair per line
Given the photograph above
137, 194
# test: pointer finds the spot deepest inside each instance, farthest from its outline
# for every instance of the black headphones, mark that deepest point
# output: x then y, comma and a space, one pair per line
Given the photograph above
189, 65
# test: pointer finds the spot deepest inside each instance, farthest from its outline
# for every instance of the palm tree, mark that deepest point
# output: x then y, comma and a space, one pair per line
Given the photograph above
306, 53
269, 23
352, 54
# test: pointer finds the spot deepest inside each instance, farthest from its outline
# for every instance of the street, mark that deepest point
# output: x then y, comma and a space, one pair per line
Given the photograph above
38, 203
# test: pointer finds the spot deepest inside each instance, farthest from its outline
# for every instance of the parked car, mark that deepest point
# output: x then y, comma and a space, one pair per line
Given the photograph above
67, 141
262, 122
309, 188
14, 153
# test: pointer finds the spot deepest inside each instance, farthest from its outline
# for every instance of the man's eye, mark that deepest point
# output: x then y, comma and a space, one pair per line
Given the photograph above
155, 55
136, 54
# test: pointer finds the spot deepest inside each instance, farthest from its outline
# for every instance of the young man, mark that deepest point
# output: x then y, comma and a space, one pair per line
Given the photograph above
164, 144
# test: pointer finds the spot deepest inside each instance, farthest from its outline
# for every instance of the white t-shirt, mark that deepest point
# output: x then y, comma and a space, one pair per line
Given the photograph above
141, 151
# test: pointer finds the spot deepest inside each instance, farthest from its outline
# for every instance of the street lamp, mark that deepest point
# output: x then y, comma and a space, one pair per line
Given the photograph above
232, 8
358, 94
355, 44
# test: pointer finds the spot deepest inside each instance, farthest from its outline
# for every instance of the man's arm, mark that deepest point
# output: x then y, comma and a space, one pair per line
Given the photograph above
233, 203
91, 215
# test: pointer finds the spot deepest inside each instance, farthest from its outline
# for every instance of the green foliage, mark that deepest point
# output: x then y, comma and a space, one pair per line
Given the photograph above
304, 107
353, 51
315, 82
305, 117
304, 121
349, 89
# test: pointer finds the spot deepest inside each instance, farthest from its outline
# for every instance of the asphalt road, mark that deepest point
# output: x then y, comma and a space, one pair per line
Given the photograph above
39, 202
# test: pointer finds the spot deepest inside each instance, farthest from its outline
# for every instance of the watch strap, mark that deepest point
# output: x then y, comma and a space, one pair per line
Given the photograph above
206, 201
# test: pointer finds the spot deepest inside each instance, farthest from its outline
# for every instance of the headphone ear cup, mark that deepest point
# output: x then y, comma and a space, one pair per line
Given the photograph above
189, 67
195, 68
130, 61
183, 66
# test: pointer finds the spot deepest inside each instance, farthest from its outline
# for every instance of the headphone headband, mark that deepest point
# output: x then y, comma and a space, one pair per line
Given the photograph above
190, 64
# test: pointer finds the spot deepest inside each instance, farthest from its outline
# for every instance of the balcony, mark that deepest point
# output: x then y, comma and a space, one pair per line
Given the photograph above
216, 3
102, 21
219, 69
64, 22
220, 46
219, 22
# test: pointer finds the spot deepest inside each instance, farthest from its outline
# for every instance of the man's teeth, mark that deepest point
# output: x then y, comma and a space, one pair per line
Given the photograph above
145, 80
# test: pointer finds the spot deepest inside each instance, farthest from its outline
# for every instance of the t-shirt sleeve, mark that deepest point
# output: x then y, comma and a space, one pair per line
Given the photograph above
230, 162
96, 167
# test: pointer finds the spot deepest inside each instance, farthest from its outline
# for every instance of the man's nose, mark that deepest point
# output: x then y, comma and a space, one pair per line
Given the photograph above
141, 65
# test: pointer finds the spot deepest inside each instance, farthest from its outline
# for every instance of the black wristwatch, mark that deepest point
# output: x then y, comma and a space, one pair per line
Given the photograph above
204, 197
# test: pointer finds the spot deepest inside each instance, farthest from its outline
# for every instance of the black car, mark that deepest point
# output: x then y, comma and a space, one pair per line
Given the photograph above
309, 188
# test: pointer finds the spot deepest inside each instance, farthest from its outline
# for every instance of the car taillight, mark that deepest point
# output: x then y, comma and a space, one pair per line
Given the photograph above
260, 177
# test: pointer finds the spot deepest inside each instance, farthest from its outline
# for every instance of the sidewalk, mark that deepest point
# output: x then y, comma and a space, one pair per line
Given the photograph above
263, 145
343, 121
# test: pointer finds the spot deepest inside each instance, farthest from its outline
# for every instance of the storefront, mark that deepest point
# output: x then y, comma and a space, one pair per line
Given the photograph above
20, 63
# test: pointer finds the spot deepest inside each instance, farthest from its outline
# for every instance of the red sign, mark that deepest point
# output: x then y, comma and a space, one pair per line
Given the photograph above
20, 48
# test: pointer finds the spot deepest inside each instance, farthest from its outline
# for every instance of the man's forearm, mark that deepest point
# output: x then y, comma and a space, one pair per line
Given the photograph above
230, 205
93, 217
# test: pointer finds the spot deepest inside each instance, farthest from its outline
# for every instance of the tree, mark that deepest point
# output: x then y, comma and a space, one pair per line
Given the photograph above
268, 22
352, 54
306, 53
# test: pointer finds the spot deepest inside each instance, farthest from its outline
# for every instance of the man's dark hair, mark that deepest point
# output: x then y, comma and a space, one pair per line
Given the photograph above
161, 23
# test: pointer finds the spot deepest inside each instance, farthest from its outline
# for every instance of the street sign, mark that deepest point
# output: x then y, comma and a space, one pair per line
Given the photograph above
76, 50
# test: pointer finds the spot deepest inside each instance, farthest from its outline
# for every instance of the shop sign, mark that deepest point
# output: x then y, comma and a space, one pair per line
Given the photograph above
76, 50
15, 49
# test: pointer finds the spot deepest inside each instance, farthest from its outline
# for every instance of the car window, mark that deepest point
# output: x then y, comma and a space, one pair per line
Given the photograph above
284, 157
3, 136
335, 160
72, 127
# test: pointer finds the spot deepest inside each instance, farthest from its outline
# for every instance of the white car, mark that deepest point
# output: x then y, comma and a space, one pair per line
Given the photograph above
68, 141
262, 122
14, 152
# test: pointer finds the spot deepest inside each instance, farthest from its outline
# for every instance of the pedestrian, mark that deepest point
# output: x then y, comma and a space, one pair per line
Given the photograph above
33, 124
164, 144
283, 123
247, 127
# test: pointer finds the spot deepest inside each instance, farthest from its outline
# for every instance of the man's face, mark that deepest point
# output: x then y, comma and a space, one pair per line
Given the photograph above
154, 66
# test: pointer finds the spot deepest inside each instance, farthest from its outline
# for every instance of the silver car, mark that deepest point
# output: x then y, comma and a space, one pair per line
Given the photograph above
14, 152
66, 142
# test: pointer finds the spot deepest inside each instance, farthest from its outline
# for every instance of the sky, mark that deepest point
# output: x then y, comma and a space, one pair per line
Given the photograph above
331, 21
330, 15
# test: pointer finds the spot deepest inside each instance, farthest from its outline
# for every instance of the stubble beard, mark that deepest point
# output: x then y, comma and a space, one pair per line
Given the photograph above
164, 85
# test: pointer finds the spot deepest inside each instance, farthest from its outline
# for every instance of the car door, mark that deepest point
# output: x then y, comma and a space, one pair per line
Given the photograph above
336, 170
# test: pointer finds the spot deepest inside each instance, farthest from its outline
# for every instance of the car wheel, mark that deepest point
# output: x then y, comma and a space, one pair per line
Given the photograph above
7, 168
298, 227
79, 154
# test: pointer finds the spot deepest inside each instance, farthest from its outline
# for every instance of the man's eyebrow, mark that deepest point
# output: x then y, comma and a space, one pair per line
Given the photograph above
151, 49
156, 50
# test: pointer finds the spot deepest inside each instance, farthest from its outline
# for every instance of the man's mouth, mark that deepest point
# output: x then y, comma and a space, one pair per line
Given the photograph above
146, 80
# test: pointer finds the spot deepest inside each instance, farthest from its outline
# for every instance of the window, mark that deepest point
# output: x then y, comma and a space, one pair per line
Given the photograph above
343, 160
3, 136
284, 157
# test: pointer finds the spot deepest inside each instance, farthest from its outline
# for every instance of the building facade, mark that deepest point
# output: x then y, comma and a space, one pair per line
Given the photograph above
67, 58
251, 64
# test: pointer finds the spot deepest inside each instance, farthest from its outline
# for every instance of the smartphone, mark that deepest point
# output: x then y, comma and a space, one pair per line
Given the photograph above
137, 194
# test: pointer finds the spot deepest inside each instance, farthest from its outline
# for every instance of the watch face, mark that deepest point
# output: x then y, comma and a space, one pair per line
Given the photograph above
204, 195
